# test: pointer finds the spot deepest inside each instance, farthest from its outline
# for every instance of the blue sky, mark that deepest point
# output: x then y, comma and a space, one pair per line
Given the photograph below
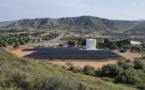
111, 9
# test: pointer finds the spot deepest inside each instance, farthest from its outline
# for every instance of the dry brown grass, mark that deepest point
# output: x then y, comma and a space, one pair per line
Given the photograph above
96, 65
129, 55
20, 52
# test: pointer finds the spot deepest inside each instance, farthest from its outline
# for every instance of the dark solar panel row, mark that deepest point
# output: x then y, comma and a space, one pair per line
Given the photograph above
71, 53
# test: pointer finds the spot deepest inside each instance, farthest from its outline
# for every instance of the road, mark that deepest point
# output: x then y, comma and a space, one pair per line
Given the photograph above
53, 41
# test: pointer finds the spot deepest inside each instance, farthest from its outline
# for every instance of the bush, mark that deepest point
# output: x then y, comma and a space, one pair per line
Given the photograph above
89, 70
76, 69
125, 64
111, 70
129, 76
138, 64
136, 48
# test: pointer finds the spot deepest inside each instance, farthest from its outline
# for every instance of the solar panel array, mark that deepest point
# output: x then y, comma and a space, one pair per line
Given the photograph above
71, 53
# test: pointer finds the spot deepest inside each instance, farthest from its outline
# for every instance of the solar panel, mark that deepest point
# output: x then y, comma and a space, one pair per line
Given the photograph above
71, 53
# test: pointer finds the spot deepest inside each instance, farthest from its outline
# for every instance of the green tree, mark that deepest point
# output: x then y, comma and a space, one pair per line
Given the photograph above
71, 43
114, 46
16, 45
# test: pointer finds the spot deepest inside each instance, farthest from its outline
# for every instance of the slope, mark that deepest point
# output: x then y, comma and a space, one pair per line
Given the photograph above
19, 74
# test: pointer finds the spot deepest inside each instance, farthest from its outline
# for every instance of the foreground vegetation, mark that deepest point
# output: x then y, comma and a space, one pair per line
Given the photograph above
125, 72
131, 73
19, 74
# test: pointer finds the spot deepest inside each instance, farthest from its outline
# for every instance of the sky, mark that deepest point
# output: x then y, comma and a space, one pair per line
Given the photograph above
111, 9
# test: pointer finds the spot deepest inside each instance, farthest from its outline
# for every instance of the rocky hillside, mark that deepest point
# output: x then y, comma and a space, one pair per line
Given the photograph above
74, 23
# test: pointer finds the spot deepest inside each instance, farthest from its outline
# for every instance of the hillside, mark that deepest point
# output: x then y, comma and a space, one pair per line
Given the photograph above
19, 74
74, 23
6, 23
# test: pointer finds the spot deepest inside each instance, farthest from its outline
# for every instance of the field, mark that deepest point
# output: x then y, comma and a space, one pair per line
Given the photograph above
96, 65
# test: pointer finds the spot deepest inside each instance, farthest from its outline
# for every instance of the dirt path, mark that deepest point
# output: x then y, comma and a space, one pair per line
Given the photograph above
20, 53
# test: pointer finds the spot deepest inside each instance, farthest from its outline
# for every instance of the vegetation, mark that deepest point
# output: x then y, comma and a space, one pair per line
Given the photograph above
76, 23
125, 72
71, 43
19, 74
21, 39
89, 70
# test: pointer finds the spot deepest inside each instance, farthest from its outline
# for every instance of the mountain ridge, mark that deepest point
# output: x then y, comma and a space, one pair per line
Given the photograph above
73, 23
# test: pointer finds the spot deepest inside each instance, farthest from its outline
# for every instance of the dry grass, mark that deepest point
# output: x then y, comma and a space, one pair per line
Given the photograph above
128, 54
81, 64
20, 52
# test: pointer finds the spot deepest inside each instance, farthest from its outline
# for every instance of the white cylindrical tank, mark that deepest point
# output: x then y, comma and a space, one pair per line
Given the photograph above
91, 44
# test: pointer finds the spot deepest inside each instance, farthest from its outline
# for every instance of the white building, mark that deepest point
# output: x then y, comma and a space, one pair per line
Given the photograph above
135, 42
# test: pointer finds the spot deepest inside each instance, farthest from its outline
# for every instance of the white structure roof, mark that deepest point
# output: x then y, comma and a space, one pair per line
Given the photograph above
135, 43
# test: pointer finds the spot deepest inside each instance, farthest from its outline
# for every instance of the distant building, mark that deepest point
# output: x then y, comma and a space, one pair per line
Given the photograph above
135, 42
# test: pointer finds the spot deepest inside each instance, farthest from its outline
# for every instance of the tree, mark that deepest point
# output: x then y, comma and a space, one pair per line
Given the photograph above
113, 46
107, 43
22, 42
16, 45
71, 43
60, 45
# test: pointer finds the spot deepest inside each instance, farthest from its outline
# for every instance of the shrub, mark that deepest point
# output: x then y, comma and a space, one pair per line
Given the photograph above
89, 70
138, 64
124, 64
111, 70
76, 69
129, 76
136, 48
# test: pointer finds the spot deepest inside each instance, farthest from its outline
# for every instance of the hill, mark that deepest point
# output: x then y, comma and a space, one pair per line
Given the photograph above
6, 23
19, 74
88, 23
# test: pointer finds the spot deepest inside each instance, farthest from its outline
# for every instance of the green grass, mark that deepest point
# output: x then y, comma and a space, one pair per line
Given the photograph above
20, 74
